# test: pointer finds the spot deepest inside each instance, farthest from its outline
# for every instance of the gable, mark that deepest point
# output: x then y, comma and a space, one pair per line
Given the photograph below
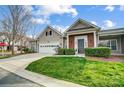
48, 29
54, 37
81, 24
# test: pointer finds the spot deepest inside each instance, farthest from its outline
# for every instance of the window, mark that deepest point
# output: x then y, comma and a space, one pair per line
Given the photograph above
112, 44
46, 33
50, 33
108, 43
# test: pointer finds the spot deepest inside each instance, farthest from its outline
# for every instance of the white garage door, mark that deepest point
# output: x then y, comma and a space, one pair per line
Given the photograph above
48, 48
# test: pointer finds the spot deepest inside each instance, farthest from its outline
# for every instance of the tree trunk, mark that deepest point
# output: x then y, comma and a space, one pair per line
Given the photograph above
13, 45
21, 46
9, 46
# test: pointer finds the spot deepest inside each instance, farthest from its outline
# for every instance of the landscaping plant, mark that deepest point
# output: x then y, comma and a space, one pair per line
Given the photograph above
98, 52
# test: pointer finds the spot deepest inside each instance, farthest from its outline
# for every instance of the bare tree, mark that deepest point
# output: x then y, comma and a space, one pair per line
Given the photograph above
34, 30
6, 31
16, 20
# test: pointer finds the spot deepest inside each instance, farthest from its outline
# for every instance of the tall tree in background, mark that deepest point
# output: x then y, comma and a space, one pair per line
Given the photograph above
16, 21
34, 30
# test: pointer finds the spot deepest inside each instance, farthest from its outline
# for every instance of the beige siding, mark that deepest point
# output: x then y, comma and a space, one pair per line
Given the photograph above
54, 38
65, 42
79, 25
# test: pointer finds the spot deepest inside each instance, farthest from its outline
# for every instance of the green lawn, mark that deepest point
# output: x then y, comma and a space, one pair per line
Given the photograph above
81, 71
2, 57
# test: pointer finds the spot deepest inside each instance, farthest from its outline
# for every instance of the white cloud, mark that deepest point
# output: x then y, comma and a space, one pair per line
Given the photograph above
28, 35
121, 7
108, 24
40, 21
41, 14
109, 8
60, 27
47, 10
93, 22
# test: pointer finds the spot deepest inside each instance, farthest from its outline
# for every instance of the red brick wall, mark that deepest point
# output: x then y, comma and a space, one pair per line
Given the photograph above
90, 37
90, 40
71, 41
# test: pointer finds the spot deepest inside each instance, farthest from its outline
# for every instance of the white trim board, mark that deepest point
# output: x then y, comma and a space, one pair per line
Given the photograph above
78, 33
94, 39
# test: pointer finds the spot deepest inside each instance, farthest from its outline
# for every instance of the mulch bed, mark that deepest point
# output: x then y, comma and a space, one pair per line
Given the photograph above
110, 59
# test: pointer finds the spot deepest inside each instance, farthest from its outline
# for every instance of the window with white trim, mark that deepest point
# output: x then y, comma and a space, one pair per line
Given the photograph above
112, 44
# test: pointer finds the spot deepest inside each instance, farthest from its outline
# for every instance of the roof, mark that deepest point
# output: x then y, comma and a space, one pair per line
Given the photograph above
83, 21
52, 29
116, 31
113, 29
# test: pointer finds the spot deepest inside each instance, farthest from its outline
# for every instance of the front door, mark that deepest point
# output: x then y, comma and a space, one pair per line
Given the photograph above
80, 46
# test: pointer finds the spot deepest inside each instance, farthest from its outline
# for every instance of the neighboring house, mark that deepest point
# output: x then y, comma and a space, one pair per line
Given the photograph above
49, 40
24, 42
81, 34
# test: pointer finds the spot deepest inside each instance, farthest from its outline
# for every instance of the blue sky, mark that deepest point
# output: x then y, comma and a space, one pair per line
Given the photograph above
105, 17
61, 17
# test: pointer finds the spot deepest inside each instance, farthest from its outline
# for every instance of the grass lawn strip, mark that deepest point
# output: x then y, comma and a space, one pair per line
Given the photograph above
2, 57
81, 71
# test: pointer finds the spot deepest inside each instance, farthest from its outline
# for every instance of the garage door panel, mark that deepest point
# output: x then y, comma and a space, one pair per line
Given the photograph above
47, 48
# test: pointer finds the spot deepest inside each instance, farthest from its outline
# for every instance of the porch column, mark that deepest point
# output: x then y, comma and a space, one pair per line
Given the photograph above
122, 44
67, 41
95, 39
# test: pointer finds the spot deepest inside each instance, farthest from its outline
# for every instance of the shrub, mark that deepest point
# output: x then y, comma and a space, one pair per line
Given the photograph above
98, 52
61, 51
27, 50
69, 51
64, 51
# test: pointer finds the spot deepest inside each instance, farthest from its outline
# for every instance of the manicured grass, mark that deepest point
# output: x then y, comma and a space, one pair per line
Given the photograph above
2, 57
81, 71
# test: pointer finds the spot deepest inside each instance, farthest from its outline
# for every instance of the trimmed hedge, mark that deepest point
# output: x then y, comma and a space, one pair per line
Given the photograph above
27, 50
61, 51
69, 51
64, 51
98, 52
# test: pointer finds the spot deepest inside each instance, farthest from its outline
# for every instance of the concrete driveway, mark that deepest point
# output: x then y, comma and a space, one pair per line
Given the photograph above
17, 66
14, 65
22, 61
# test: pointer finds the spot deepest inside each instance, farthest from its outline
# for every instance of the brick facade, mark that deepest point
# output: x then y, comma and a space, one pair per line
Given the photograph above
71, 41
90, 40
90, 37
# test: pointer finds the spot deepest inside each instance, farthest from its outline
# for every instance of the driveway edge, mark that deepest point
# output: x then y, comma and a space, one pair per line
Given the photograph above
40, 79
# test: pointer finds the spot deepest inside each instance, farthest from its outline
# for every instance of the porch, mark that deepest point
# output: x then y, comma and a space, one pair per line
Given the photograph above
113, 40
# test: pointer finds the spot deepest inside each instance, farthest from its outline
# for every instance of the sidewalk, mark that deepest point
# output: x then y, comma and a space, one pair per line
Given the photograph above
34, 77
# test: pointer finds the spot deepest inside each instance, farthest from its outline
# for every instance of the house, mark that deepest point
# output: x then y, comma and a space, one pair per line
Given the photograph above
49, 40
80, 35
7, 38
